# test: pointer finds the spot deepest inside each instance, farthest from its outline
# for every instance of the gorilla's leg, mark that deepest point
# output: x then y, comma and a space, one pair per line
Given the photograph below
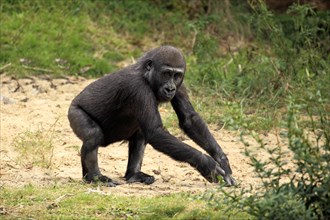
92, 136
135, 156
91, 171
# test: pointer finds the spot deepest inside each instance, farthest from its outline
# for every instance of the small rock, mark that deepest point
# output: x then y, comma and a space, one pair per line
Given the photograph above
3, 211
6, 100
25, 99
157, 172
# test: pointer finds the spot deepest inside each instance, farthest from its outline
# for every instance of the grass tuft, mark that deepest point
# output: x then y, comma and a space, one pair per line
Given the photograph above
35, 148
75, 201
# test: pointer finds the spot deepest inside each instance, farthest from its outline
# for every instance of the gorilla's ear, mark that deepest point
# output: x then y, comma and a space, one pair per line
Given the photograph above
148, 65
147, 70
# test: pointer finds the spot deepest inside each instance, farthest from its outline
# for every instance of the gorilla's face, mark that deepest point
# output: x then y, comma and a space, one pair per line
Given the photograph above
165, 72
169, 78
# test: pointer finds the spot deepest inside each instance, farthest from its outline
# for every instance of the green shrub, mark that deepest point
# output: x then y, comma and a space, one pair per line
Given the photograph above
301, 192
289, 51
283, 54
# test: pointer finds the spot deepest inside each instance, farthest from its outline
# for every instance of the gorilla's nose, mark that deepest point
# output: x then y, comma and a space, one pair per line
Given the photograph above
169, 90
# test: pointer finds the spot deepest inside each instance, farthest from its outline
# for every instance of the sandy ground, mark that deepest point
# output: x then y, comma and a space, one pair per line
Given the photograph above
32, 104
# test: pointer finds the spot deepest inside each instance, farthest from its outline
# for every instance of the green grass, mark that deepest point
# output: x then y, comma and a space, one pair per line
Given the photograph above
35, 148
236, 71
75, 201
74, 37
53, 39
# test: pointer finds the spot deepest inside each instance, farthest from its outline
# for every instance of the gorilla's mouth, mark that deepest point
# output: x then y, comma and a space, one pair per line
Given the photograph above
165, 96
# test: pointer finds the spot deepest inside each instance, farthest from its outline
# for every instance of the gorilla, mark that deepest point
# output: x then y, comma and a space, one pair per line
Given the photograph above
123, 106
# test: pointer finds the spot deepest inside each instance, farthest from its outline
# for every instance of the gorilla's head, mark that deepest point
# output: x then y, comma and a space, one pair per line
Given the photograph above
164, 70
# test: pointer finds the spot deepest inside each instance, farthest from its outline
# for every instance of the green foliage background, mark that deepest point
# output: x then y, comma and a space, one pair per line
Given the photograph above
242, 55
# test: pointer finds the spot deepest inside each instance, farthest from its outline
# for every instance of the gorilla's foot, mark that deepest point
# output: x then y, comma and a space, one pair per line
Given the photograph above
101, 178
140, 177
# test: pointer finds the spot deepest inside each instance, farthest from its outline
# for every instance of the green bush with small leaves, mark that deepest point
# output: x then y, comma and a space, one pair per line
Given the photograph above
301, 192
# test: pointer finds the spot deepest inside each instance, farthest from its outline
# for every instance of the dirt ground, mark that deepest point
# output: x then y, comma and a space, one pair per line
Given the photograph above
30, 104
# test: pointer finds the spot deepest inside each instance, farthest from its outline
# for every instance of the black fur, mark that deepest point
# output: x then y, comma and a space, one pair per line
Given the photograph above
124, 106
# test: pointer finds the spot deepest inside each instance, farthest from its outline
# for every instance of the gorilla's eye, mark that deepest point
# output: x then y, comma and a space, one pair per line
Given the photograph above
167, 74
177, 76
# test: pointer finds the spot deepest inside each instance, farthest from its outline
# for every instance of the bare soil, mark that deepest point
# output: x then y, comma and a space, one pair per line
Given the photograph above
31, 104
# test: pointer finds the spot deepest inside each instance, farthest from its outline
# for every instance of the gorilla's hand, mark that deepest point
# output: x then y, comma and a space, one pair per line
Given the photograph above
223, 163
214, 170
218, 171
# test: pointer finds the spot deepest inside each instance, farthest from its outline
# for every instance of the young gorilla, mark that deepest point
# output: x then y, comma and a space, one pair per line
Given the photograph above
124, 106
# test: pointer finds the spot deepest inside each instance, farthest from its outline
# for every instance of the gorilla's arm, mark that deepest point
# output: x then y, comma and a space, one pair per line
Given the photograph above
164, 142
151, 126
193, 125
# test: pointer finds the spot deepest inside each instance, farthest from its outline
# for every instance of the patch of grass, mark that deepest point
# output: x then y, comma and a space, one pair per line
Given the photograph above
35, 148
56, 38
223, 113
77, 201
80, 37
243, 59
170, 119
